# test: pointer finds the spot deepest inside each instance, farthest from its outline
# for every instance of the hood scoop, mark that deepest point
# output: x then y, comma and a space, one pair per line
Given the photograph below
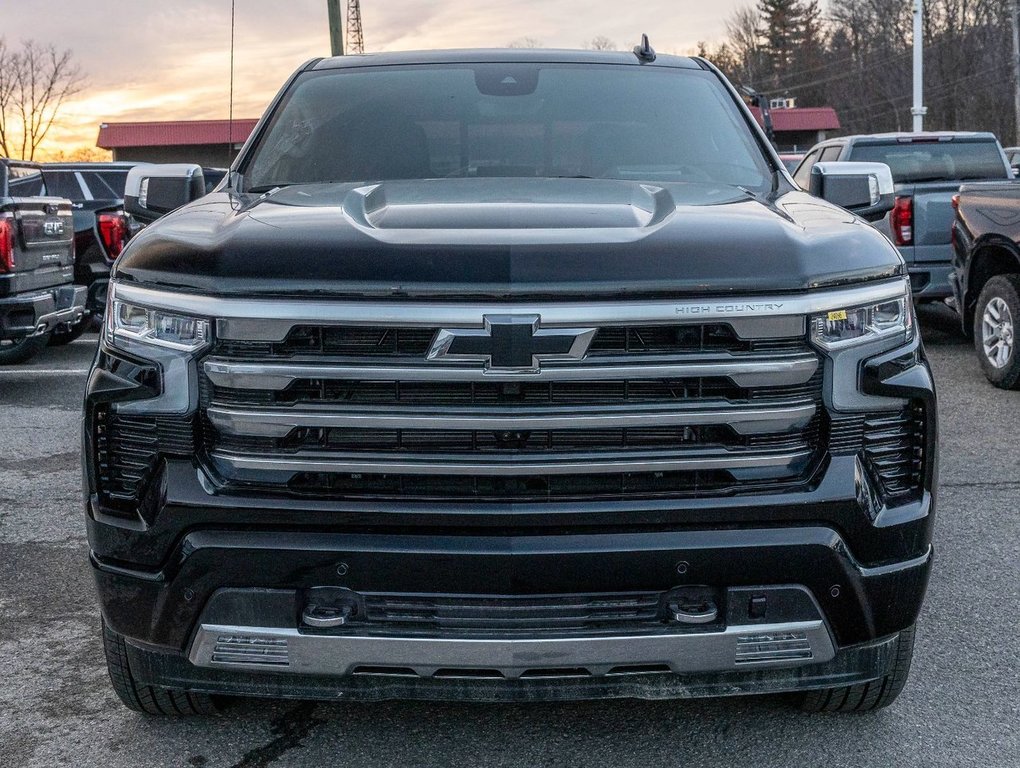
520, 204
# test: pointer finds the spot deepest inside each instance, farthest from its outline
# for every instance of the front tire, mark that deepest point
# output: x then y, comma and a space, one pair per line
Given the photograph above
867, 697
13, 352
996, 322
148, 699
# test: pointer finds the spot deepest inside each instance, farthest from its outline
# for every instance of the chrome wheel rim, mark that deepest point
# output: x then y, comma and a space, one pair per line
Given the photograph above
997, 332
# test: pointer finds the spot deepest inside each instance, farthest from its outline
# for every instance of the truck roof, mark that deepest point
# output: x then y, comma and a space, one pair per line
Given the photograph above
91, 165
923, 135
502, 55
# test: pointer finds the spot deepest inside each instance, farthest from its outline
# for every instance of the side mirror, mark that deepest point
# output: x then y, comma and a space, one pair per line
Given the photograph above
1016, 171
152, 191
865, 189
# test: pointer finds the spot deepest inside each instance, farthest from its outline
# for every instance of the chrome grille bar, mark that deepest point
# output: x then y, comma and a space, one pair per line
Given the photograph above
279, 422
757, 371
271, 319
509, 466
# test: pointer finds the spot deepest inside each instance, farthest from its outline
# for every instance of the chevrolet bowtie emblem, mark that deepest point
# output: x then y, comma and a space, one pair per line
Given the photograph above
513, 343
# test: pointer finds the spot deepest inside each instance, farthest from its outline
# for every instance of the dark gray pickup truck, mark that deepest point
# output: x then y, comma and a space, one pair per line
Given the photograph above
928, 169
37, 296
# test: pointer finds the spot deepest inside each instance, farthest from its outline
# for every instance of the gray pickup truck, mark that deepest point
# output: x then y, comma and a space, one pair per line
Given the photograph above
928, 169
37, 296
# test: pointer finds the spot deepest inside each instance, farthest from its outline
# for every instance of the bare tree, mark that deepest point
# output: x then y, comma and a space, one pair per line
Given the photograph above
600, 43
525, 42
35, 84
8, 66
743, 34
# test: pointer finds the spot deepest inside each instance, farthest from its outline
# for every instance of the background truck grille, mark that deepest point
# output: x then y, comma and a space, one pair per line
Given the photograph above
653, 410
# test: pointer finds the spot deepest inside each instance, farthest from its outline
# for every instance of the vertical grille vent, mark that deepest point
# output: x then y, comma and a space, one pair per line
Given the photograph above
894, 451
128, 449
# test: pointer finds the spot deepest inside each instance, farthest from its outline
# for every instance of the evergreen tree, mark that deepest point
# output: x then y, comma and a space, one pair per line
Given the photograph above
782, 31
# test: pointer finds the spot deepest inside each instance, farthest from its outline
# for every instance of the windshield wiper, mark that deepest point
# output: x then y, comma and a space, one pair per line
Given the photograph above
265, 188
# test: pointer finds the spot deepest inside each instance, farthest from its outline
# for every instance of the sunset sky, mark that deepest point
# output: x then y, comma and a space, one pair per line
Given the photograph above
169, 59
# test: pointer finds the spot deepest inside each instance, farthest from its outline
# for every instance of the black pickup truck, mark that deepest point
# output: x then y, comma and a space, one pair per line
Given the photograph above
37, 297
986, 276
101, 227
509, 375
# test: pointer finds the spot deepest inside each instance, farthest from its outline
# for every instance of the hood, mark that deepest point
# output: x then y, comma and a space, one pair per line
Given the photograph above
505, 237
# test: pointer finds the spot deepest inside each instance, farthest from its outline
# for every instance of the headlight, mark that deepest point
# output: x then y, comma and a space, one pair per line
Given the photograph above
125, 320
859, 325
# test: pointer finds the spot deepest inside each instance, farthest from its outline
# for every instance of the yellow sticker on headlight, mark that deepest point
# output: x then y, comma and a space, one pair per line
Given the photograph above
839, 314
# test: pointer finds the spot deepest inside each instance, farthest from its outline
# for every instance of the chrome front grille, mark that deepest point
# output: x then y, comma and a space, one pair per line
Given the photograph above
652, 409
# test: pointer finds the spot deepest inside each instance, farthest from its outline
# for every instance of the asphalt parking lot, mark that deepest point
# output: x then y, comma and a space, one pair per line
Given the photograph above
961, 706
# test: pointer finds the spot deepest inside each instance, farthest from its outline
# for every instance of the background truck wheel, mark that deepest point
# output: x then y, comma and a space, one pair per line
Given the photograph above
19, 351
148, 699
61, 337
996, 322
867, 697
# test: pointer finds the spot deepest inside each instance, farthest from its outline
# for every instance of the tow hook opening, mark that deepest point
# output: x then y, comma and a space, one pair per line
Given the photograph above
691, 605
330, 607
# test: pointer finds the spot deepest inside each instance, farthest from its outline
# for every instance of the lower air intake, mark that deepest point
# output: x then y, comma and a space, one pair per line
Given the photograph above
778, 646
244, 649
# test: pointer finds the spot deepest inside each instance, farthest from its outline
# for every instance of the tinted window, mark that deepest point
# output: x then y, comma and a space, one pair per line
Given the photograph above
63, 184
25, 182
935, 160
530, 120
803, 174
831, 154
106, 184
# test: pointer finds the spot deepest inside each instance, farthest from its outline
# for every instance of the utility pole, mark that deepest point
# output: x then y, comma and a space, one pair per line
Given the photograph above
919, 110
1015, 12
336, 33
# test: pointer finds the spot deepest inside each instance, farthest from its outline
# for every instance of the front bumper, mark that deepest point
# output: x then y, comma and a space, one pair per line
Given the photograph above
183, 615
40, 312
851, 665
185, 629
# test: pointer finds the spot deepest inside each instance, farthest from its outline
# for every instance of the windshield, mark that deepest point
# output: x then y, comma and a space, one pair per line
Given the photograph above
520, 120
935, 160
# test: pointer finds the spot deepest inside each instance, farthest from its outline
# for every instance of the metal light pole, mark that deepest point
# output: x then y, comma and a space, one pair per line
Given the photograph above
919, 110
1015, 13
336, 33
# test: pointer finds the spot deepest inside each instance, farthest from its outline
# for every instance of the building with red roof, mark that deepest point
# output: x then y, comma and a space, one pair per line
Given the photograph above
210, 143
800, 128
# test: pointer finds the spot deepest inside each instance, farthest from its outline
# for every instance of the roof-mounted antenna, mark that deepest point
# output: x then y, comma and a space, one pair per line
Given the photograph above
645, 52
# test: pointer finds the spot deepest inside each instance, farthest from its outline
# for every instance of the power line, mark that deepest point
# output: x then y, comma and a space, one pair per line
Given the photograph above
852, 72
887, 104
